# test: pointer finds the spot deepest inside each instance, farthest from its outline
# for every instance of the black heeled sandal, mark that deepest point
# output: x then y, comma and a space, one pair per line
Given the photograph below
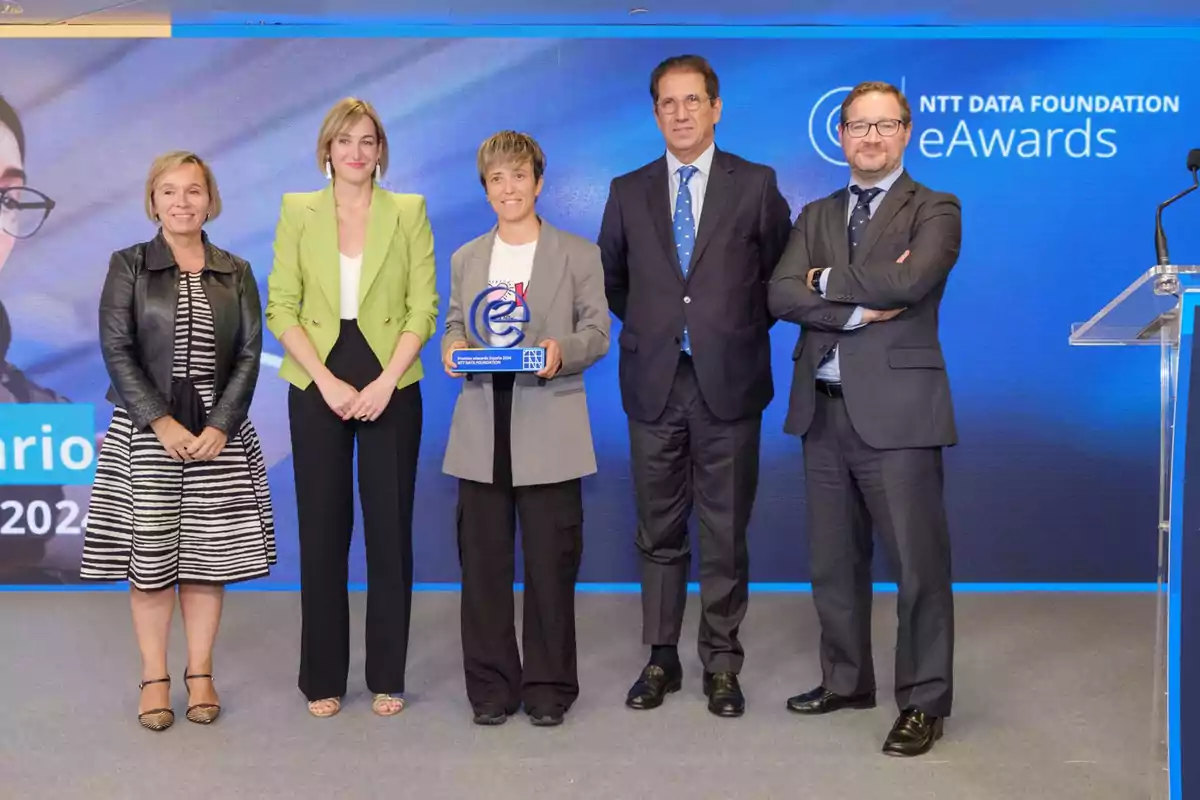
156, 719
202, 713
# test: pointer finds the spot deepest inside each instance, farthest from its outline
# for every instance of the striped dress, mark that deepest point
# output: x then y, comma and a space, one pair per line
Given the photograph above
156, 522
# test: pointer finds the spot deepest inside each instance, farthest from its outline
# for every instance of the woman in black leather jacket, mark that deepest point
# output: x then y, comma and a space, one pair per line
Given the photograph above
180, 497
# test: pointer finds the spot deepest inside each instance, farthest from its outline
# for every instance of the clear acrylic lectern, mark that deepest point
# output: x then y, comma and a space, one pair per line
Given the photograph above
1159, 310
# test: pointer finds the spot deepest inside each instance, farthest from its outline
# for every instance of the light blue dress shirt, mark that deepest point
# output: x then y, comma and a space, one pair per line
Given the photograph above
831, 370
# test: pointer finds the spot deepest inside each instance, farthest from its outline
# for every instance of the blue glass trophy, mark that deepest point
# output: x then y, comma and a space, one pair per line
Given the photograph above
495, 319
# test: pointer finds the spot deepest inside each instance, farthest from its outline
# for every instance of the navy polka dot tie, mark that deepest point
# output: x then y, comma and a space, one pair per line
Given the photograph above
861, 215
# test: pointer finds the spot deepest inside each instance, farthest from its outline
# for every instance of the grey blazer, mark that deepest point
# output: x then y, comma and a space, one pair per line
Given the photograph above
551, 431
893, 373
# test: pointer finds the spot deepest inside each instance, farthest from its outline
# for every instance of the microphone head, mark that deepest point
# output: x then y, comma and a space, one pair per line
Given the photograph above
1193, 161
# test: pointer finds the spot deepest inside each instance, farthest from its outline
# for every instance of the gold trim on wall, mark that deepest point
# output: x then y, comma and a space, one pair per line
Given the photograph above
161, 30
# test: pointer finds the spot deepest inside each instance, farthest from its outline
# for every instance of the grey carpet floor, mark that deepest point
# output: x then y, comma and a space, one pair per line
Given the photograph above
1053, 697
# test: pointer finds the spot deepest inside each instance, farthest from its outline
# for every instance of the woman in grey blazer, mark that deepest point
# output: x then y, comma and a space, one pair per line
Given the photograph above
520, 444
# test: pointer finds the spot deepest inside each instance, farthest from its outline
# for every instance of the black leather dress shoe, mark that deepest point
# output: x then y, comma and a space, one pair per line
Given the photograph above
546, 717
913, 734
725, 698
822, 701
652, 686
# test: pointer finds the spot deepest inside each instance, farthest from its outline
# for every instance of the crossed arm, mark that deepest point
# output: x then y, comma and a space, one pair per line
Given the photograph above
851, 295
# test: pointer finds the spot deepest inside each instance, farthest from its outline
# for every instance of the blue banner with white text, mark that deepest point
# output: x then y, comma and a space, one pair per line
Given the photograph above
1058, 149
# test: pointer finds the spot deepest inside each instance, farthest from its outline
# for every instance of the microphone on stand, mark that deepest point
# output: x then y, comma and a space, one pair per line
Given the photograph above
1160, 237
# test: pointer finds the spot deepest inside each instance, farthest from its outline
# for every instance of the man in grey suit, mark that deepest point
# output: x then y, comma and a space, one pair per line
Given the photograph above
520, 443
863, 276
689, 242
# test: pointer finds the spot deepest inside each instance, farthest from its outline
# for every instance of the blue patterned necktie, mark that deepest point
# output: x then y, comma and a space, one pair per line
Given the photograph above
684, 225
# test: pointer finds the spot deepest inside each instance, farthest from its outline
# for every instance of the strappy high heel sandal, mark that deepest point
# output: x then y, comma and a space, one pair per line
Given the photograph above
201, 713
156, 719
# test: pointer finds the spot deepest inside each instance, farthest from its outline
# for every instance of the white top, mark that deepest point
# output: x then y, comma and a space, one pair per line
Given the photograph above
351, 272
509, 272
697, 184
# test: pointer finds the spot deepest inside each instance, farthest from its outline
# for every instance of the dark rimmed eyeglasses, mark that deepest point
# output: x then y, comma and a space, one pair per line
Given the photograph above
886, 127
23, 211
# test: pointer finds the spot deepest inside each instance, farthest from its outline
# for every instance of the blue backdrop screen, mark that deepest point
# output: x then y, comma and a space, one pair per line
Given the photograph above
1059, 151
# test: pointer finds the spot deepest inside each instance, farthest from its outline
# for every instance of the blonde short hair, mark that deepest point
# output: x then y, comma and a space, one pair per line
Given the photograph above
344, 114
173, 160
510, 147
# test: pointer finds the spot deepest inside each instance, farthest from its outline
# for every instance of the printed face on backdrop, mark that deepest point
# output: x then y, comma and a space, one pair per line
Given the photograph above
354, 152
12, 173
685, 113
512, 191
181, 199
873, 137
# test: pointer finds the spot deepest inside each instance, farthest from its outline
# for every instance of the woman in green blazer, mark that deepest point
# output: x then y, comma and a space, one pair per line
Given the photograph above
352, 298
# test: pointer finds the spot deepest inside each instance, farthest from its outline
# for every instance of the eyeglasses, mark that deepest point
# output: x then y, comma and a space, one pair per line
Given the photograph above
669, 105
886, 127
23, 211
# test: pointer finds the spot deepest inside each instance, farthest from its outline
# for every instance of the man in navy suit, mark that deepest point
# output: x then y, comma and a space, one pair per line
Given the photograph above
689, 242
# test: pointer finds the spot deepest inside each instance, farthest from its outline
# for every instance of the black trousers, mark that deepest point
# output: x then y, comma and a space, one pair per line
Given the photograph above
689, 458
551, 518
323, 457
852, 488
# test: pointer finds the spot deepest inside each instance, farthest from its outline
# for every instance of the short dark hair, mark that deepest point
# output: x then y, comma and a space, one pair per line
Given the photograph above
10, 120
687, 63
870, 87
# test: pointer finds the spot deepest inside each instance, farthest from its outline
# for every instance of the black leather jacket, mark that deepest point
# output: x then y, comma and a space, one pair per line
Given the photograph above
137, 331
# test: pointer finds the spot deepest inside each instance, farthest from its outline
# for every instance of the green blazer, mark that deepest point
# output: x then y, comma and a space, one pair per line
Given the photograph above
397, 291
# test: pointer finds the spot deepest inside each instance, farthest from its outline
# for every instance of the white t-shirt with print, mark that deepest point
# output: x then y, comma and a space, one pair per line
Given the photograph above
508, 274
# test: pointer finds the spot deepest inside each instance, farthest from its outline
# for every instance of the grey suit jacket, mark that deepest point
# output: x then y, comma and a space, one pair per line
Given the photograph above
551, 431
894, 377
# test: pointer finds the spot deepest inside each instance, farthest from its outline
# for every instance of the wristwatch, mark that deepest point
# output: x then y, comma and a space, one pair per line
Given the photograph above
815, 283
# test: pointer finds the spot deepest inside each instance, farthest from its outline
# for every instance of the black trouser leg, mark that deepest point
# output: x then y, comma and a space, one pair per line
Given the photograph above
552, 536
486, 533
486, 536
387, 474
322, 457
